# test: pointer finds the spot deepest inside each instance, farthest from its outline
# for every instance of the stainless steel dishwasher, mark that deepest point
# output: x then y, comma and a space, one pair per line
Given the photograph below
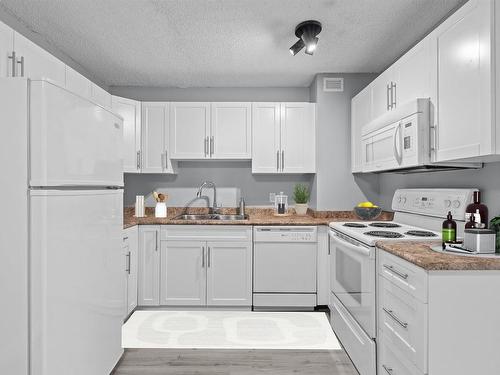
285, 260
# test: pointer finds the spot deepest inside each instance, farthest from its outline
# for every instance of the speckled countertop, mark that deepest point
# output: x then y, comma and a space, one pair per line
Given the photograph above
420, 254
256, 216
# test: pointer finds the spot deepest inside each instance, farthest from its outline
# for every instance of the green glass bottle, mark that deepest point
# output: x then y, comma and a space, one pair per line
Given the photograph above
449, 231
495, 225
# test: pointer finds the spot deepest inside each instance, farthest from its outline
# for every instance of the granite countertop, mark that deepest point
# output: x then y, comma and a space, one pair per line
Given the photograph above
256, 216
420, 254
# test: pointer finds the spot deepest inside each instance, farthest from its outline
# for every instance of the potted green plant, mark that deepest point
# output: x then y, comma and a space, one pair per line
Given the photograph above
301, 197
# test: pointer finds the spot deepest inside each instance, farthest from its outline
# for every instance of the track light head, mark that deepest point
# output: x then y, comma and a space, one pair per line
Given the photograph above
307, 32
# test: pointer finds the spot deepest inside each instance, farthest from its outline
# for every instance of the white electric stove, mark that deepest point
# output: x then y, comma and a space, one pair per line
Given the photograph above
419, 214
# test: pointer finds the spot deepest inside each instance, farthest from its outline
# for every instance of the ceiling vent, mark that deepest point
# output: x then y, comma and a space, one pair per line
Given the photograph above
333, 84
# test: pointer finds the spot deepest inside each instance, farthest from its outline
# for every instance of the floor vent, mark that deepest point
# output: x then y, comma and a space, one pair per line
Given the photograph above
333, 84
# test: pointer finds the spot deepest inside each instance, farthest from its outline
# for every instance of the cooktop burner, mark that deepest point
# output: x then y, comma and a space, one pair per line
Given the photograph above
385, 225
354, 225
420, 233
383, 234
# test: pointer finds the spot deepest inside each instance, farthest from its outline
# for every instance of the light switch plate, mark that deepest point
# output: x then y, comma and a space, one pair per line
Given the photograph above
272, 197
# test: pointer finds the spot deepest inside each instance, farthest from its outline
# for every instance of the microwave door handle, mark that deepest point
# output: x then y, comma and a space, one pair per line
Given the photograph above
360, 249
397, 140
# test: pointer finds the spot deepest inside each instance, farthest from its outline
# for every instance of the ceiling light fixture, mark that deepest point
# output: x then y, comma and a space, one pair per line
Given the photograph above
307, 32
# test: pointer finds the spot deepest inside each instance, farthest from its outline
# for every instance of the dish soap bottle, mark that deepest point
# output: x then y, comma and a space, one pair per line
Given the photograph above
449, 231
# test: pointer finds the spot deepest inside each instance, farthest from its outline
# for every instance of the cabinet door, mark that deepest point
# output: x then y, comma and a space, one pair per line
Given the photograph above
266, 141
130, 110
381, 93
38, 63
231, 131
360, 116
380, 150
189, 130
463, 42
298, 135
183, 273
6, 48
229, 274
149, 265
77, 83
154, 117
413, 74
132, 267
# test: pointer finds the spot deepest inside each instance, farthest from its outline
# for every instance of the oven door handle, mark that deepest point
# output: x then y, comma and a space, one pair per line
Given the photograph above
360, 249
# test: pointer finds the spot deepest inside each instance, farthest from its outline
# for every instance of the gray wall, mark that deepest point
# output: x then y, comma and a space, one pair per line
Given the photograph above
215, 94
487, 180
334, 186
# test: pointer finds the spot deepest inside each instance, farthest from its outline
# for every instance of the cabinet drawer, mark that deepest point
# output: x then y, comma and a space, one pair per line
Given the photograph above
403, 320
391, 362
408, 277
206, 233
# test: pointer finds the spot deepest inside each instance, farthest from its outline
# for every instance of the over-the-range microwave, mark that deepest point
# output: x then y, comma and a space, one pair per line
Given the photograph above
400, 141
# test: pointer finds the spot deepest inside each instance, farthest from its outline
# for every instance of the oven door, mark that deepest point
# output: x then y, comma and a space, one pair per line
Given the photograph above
352, 279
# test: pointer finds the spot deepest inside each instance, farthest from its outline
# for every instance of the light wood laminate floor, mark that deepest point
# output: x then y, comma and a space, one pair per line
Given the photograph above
233, 362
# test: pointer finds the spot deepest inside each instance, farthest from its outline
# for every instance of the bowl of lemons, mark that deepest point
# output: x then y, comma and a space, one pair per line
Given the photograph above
367, 211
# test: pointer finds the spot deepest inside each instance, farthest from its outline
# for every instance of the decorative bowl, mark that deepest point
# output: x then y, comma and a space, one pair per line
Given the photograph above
368, 213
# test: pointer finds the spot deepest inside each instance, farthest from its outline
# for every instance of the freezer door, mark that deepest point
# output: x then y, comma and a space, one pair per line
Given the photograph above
73, 142
77, 281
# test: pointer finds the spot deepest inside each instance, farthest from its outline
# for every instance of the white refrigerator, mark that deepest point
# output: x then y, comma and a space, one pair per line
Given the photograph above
62, 270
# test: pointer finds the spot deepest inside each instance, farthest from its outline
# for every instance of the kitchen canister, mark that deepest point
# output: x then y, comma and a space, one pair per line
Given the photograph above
139, 206
481, 241
161, 209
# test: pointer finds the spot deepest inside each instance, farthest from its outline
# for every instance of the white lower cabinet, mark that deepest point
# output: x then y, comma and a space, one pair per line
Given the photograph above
196, 266
149, 265
130, 247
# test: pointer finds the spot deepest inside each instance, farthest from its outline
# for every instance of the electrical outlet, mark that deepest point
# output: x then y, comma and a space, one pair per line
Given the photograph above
272, 197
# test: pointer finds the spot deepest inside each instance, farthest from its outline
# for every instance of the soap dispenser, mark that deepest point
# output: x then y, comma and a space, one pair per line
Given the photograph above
281, 204
449, 231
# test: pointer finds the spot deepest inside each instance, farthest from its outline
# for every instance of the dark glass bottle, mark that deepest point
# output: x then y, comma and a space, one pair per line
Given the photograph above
477, 206
449, 231
471, 223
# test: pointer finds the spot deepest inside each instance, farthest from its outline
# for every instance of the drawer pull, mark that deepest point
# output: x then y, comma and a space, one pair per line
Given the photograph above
395, 318
387, 369
396, 272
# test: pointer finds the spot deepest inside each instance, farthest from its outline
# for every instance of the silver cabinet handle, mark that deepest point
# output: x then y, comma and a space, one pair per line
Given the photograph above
212, 151
396, 272
128, 263
209, 255
166, 159
21, 62
282, 160
203, 257
278, 160
395, 318
387, 369
205, 145
13, 63
393, 95
138, 160
387, 97
156, 240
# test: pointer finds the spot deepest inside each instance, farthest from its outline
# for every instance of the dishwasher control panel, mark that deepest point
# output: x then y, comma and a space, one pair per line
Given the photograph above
285, 234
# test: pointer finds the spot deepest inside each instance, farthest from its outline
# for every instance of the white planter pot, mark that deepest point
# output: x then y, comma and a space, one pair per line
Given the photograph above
301, 208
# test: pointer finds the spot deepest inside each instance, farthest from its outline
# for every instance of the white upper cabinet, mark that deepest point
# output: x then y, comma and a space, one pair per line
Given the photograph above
465, 86
36, 63
100, 96
189, 131
130, 110
77, 83
155, 154
266, 137
6, 49
298, 135
231, 131
382, 93
360, 116
284, 136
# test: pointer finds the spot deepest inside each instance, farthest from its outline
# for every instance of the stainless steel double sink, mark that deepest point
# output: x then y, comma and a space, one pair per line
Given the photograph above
213, 217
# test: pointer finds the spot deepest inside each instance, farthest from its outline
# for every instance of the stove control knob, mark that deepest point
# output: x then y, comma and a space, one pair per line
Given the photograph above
447, 203
456, 203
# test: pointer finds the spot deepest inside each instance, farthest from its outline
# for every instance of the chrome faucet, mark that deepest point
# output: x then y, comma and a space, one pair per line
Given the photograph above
214, 209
